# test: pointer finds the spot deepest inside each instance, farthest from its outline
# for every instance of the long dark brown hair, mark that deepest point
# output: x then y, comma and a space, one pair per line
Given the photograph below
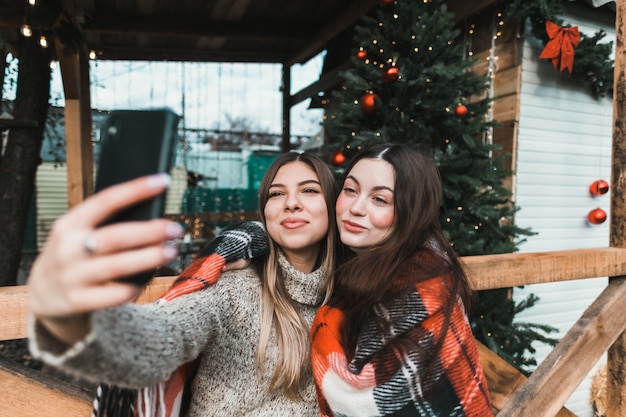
362, 281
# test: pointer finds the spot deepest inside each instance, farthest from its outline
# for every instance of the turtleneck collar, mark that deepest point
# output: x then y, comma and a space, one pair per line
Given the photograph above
308, 289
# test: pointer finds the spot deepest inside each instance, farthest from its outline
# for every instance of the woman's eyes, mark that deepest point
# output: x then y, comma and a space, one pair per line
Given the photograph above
380, 200
304, 191
349, 190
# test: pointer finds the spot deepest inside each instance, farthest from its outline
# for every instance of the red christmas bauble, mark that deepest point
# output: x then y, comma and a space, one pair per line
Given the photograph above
361, 54
596, 216
599, 187
387, 3
369, 102
337, 158
460, 110
391, 74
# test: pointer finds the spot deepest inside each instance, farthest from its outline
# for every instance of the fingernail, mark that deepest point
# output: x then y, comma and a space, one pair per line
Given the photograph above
175, 230
159, 180
170, 250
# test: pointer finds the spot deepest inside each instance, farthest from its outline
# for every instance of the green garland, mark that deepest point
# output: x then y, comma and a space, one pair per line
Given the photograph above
592, 59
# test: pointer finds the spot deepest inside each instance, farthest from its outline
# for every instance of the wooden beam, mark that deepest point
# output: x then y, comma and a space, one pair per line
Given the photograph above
78, 147
191, 54
320, 39
485, 272
14, 306
178, 25
156, 289
29, 393
616, 358
79, 151
517, 269
463, 9
11, 18
14, 312
503, 380
558, 375
231, 10
326, 82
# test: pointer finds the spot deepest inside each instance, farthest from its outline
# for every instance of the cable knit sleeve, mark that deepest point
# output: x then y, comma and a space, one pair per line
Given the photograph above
139, 345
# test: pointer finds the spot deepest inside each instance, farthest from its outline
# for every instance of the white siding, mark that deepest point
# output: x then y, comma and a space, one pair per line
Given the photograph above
564, 144
52, 199
176, 191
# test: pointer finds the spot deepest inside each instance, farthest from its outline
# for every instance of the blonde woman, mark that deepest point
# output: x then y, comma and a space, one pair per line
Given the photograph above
248, 332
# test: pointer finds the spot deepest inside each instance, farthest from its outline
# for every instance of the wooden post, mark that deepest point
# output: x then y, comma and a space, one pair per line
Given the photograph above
79, 151
286, 142
616, 375
78, 147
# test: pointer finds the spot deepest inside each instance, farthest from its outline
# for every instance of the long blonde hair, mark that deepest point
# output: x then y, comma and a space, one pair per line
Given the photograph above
278, 310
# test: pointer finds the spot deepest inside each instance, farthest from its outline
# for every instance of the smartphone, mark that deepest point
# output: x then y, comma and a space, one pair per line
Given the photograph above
134, 143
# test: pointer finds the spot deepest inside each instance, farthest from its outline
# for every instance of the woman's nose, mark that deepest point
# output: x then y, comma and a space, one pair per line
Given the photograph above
358, 207
292, 203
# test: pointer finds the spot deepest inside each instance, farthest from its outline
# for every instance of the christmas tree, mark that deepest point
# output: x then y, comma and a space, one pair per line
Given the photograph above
412, 83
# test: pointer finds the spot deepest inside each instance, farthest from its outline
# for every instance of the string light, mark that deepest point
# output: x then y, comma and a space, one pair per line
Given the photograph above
492, 69
26, 30
32, 2
92, 54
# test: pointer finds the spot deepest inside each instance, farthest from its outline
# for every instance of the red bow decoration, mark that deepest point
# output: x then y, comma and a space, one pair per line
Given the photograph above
561, 45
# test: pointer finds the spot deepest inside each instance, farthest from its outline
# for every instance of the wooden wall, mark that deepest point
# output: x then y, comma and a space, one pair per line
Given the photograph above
505, 79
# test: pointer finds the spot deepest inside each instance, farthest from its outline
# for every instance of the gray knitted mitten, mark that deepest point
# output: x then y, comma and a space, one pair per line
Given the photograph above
244, 240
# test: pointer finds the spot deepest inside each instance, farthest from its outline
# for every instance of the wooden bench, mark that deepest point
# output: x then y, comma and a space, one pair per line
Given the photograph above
27, 393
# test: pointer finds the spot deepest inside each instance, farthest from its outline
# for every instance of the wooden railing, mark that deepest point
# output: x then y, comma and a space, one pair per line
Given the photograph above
542, 394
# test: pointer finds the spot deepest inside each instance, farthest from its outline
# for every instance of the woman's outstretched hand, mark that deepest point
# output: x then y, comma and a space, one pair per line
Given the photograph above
78, 269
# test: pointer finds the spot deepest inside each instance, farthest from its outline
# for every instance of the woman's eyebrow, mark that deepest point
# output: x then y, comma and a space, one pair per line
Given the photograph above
351, 177
311, 181
378, 187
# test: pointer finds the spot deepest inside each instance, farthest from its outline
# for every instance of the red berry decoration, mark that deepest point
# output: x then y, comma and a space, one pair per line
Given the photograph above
596, 216
369, 103
391, 74
361, 54
337, 158
599, 187
387, 3
460, 110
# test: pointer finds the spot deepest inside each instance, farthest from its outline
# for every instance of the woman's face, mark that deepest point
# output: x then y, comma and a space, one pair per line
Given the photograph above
365, 208
296, 214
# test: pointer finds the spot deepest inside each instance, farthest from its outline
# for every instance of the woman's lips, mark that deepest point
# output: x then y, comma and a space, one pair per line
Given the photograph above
293, 223
352, 227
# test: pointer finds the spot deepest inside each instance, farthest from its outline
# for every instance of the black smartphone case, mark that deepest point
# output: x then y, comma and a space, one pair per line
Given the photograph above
135, 143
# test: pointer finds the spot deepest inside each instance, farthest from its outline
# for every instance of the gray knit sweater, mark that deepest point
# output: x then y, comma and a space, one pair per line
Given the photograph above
137, 346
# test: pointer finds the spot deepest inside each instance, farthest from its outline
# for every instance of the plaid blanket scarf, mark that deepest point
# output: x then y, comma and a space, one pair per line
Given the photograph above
169, 398
390, 377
